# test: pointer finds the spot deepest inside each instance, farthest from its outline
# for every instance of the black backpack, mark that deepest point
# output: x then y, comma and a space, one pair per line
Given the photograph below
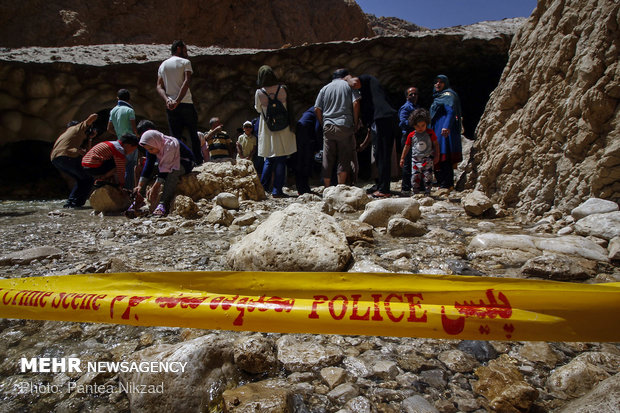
277, 115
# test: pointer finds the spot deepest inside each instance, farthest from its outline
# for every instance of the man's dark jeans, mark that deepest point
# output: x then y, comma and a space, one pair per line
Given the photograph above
83, 181
184, 116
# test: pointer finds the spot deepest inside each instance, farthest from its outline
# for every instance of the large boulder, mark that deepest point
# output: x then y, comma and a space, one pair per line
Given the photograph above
550, 133
295, 239
212, 178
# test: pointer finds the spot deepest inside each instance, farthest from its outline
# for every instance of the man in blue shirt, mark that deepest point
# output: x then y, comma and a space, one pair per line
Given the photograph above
123, 121
403, 118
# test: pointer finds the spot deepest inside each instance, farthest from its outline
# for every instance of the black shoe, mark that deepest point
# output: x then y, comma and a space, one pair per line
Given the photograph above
69, 204
282, 195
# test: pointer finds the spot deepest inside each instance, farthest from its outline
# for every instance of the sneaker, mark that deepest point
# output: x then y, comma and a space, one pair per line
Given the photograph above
160, 211
405, 193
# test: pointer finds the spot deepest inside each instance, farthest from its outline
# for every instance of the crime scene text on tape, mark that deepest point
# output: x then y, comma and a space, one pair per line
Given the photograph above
403, 305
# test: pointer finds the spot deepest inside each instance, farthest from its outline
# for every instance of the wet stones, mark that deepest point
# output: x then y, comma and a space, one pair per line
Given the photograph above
560, 267
31, 254
379, 212
297, 355
264, 396
255, 354
503, 386
209, 366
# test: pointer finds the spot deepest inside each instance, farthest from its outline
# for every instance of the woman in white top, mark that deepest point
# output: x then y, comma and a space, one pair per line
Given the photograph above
276, 145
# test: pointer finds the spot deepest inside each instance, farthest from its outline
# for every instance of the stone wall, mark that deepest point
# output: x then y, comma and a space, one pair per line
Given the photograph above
41, 89
550, 134
227, 23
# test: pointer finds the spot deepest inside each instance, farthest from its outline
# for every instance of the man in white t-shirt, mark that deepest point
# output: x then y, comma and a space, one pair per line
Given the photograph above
173, 78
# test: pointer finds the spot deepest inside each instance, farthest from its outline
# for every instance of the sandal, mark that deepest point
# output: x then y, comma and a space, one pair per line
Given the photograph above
379, 194
134, 208
160, 211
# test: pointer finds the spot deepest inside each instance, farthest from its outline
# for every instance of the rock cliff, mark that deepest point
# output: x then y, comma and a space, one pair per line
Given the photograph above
229, 23
550, 134
41, 89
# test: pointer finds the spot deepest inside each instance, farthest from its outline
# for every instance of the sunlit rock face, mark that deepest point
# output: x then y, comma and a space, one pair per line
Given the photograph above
550, 134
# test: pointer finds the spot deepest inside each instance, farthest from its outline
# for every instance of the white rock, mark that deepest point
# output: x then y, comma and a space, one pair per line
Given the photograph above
490, 240
295, 239
594, 206
227, 200
379, 212
605, 226
342, 195
570, 244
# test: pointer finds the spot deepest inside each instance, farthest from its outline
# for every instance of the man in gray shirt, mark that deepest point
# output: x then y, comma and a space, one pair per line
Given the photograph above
337, 108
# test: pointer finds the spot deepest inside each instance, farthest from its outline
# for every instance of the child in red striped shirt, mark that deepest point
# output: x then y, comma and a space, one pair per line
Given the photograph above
108, 159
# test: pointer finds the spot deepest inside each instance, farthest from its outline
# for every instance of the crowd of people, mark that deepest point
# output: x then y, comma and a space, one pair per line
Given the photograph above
428, 142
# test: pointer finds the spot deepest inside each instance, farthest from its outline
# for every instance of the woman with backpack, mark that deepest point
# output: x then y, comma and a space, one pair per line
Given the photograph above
276, 140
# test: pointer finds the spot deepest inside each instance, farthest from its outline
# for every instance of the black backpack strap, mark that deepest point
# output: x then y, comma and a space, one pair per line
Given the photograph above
277, 91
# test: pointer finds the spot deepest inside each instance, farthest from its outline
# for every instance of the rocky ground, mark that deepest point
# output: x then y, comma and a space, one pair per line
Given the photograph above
455, 233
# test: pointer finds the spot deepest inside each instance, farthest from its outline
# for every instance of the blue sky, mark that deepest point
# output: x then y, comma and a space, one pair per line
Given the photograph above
435, 14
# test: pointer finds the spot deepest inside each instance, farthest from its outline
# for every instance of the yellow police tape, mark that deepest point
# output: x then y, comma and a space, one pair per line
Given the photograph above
405, 305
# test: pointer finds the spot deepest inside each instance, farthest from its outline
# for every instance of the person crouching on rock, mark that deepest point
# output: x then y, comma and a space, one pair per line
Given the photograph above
106, 160
174, 160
